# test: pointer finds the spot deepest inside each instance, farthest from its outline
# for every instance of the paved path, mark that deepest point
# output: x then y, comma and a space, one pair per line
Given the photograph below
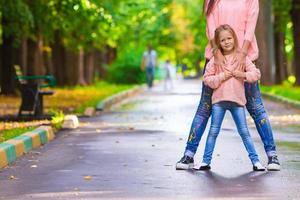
130, 153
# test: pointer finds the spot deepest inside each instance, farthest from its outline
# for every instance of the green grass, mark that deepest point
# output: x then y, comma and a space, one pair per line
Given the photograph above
80, 97
9, 134
295, 146
287, 91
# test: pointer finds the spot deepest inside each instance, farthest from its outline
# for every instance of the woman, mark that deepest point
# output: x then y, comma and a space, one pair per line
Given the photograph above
242, 16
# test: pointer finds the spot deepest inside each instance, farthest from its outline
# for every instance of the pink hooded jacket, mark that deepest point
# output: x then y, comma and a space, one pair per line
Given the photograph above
232, 89
241, 15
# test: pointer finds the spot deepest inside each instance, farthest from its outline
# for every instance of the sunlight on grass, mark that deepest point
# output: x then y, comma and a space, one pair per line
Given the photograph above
286, 91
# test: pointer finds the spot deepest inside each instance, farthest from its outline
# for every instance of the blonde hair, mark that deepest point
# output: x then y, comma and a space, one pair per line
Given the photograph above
225, 27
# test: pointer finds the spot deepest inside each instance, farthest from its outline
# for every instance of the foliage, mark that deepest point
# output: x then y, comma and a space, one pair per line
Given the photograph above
17, 20
126, 68
57, 119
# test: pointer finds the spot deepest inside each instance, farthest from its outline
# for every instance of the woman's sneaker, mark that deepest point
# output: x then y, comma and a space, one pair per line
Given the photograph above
273, 164
258, 167
185, 162
204, 166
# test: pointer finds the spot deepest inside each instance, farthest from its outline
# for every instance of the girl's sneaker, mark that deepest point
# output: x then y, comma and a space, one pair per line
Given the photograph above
204, 166
258, 167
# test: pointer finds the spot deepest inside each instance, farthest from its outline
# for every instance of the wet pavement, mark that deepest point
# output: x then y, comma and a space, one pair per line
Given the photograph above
130, 153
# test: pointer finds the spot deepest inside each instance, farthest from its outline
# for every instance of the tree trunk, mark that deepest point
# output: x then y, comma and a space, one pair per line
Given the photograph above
35, 57
295, 13
281, 59
265, 38
7, 73
58, 60
89, 71
72, 68
80, 66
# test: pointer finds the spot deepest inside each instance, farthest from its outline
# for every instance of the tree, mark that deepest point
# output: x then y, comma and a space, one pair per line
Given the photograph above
16, 23
265, 37
295, 15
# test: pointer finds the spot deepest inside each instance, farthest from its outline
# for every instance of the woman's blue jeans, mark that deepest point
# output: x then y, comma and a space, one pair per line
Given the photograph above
239, 117
254, 106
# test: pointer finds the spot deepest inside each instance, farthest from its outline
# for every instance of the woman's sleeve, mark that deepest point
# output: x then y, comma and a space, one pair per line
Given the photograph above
210, 77
252, 73
252, 15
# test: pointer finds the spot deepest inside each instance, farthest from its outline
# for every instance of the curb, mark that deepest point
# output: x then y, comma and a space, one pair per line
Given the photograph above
292, 103
109, 101
11, 149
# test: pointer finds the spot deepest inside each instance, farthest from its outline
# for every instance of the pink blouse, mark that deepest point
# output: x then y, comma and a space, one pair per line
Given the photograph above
232, 89
241, 15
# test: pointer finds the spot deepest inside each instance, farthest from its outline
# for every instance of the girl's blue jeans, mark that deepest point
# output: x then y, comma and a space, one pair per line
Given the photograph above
239, 117
254, 106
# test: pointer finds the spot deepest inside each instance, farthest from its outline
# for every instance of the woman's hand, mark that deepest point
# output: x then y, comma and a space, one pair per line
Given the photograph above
240, 58
219, 60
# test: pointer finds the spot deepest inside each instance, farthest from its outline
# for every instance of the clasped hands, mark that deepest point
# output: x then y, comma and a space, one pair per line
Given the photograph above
238, 72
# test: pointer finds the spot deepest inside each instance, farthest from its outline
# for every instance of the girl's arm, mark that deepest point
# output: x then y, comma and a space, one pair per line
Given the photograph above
211, 78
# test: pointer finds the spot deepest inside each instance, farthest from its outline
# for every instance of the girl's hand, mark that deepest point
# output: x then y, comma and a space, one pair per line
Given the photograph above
227, 74
239, 74
240, 58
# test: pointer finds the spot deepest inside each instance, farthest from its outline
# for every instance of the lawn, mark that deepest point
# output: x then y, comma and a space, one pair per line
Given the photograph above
67, 99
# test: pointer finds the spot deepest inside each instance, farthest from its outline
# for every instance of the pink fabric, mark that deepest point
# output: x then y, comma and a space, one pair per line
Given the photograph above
233, 88
241, 15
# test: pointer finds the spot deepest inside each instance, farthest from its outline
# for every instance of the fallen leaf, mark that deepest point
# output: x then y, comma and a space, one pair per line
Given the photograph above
87, 178
12, 177
33, 166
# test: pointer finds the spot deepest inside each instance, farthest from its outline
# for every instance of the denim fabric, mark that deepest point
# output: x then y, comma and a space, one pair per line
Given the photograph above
238, 114
254, 106
150, 76
257, 111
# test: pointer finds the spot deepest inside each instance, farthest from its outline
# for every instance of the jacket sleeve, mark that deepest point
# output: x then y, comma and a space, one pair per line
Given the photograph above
211, 78
252, 15
252, 73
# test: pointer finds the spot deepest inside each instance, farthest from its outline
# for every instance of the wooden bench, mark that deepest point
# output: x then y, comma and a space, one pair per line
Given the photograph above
32, 93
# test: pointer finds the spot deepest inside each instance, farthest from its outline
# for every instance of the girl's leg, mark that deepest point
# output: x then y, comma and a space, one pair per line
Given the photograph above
238, 114
257, 111
218, 112
199, 122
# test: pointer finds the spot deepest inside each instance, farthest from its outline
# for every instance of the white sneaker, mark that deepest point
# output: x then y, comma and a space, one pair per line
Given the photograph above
258, 167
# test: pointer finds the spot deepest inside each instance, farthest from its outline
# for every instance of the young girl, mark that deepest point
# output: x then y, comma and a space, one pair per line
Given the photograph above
227, 83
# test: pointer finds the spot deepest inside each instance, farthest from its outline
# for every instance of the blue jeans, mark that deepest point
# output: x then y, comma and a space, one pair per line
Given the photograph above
239, 117
254, 106
150, 76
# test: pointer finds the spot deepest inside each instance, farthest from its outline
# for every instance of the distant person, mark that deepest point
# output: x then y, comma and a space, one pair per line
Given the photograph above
227, 83
168, 80
149, 63
242, 16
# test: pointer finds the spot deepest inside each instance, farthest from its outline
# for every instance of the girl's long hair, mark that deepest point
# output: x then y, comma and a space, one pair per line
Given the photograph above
211, 3
225, 27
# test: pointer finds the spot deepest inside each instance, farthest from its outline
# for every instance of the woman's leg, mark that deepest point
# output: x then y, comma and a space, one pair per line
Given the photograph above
238, 114
218, 113
200, 121
197, 128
